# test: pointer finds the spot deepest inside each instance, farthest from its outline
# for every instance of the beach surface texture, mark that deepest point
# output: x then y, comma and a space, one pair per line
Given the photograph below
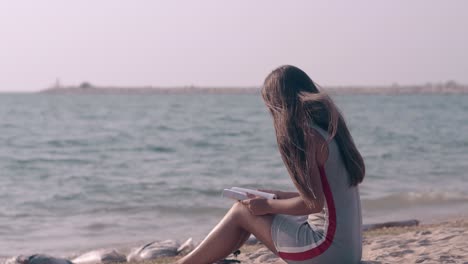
444, 242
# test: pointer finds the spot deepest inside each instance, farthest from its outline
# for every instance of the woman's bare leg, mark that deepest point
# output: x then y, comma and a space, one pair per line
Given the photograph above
243, 237
229, 234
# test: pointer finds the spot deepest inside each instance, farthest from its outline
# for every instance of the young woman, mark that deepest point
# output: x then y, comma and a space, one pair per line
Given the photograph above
321, 223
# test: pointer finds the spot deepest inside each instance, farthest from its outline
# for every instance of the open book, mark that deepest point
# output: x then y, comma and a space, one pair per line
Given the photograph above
237, 193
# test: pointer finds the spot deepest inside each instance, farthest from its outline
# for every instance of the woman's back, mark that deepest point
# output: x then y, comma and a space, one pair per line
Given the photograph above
340, 222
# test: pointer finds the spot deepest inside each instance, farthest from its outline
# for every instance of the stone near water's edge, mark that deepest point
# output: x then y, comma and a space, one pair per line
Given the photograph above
37, 259
100, 256
369, 227
153, 250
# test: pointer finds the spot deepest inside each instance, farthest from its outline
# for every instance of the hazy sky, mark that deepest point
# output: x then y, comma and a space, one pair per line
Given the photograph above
230, 43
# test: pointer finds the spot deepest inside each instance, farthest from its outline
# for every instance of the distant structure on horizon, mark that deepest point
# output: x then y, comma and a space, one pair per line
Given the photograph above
57, 83
449, 87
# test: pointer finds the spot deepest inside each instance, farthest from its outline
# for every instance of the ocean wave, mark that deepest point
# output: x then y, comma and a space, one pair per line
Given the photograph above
414, 199
100, 226
19, 215
48, 160
61, 143
160, 149
231, 119
162, 127
230, 134
179, 210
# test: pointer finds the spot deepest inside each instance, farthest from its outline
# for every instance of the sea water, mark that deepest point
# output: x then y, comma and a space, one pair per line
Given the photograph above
80, 172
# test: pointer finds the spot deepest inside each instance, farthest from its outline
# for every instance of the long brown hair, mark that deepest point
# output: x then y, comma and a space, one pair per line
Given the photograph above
294, 102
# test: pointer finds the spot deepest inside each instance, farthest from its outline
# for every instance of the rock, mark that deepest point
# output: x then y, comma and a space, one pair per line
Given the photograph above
37, 259
16, 260
153, 250
100, 256
412, 222
186, 247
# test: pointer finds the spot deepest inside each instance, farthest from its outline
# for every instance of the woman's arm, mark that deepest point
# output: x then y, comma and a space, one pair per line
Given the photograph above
292, 206
317, 155
288, 195
280, 194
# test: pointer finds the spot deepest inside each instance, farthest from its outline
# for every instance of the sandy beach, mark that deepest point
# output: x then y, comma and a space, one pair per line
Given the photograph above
444, 242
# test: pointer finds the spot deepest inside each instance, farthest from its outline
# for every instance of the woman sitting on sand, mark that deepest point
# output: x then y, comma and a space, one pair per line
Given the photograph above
321, 223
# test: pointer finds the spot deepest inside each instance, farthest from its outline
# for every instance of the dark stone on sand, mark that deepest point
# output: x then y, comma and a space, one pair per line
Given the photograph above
405, 223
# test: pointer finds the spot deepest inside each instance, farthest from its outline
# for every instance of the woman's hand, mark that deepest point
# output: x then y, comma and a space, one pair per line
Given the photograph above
257, 205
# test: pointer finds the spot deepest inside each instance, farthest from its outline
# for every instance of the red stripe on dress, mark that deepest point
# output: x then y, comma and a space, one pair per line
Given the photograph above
311, 253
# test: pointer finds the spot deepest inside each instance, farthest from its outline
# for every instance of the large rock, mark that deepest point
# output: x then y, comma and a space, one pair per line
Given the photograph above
153, 250
100, 256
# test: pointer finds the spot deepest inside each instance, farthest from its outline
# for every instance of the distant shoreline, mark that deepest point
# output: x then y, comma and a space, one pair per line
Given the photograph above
447, 88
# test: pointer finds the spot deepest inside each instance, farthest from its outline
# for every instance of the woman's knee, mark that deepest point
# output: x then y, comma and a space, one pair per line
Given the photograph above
239, 211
